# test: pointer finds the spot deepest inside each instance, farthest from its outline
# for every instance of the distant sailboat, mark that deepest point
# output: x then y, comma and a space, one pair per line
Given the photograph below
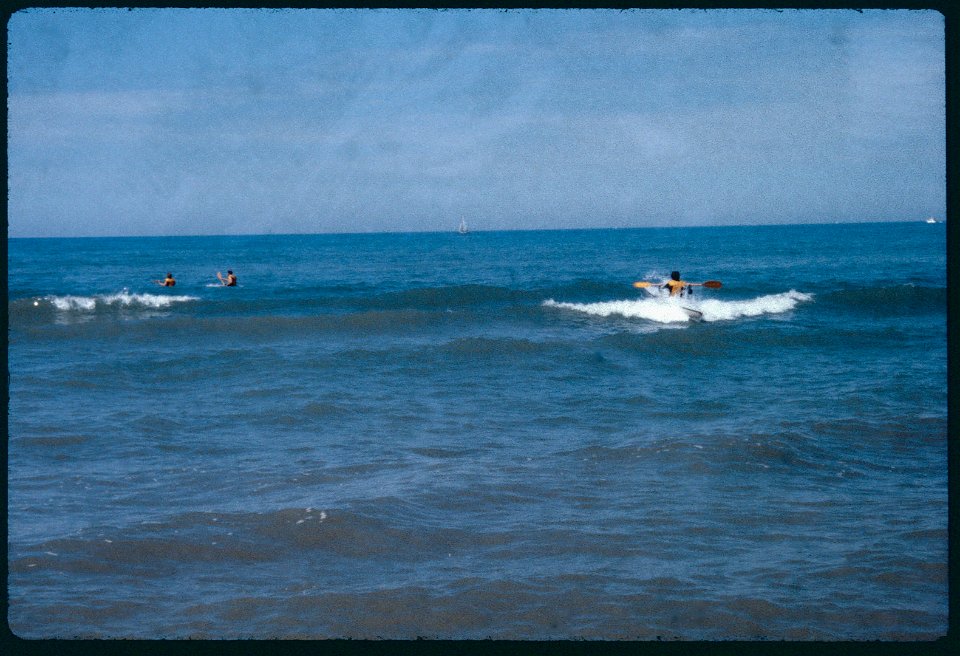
463, 227
931, 220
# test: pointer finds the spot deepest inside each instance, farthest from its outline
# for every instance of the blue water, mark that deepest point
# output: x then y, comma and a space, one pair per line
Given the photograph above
482, 435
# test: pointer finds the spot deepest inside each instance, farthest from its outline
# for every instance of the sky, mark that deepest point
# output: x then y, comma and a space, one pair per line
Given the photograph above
254, 121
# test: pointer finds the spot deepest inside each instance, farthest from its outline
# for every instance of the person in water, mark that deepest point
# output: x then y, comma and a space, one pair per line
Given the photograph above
677, 286
166, 282
230, 280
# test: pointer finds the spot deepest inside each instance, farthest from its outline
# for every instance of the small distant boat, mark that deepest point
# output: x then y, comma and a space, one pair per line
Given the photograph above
463, 227
931, 220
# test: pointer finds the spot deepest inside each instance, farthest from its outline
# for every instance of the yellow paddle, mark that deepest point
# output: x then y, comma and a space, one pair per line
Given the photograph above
713, 284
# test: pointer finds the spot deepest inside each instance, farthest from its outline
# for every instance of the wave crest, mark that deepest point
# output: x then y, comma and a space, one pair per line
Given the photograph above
671, 310
122, 299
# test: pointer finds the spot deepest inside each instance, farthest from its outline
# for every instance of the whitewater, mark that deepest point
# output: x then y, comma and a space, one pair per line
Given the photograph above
121, 299
670, 310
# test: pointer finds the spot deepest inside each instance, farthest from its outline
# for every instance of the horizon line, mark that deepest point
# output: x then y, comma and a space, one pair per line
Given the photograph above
474, 231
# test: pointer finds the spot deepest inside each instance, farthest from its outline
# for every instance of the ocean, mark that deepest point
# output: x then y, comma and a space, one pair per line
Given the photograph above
491, 435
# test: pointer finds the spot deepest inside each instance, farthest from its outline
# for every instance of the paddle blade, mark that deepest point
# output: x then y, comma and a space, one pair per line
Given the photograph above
641, 284
715, 284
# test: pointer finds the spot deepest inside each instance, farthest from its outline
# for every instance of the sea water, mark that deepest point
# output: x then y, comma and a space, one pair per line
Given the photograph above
491, 435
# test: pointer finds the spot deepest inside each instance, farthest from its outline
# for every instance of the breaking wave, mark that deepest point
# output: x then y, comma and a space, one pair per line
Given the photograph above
122, 299
671, 310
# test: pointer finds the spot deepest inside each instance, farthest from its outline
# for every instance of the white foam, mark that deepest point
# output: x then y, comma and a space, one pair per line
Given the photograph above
122, 299
670, 310
652, 310
716, 310
73, 302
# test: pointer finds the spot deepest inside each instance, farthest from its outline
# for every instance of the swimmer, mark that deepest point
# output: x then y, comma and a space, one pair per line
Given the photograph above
229, 281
